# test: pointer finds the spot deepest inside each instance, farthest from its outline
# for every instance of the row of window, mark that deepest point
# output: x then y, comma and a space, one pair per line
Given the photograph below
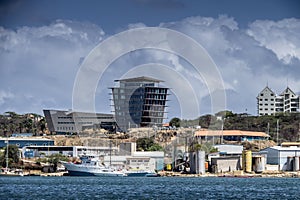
140, 161
266, 104
156, 96
155, 102
31, 144
88, 117
156, 90
263, 94
63, 128
69, 117
95, 117
266, 109
266, 99
65, 122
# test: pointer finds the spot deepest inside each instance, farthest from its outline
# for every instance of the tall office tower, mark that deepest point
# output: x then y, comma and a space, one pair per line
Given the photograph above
139, 102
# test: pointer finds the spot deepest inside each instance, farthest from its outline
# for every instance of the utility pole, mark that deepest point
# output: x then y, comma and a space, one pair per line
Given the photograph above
299, 133
222, 131
110, 152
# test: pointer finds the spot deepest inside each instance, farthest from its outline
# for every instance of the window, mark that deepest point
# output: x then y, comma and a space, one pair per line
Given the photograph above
261, 94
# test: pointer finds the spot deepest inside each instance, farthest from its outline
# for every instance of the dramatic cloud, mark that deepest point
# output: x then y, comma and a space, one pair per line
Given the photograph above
39, 64
281, 37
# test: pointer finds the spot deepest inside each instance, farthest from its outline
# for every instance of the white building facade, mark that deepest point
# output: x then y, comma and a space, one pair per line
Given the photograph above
283, 157
268, 103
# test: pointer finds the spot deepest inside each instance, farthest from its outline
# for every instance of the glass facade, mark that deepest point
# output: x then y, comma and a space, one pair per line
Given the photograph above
139, 102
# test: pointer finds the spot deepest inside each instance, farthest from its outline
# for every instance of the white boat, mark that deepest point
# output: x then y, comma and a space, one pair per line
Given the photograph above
90, 167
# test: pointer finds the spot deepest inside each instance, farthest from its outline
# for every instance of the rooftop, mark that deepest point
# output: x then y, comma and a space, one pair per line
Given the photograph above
141, 79
280, 148
206, 132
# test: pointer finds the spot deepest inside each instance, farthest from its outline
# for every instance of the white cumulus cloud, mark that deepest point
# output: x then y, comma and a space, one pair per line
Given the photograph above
282, 37
39, 64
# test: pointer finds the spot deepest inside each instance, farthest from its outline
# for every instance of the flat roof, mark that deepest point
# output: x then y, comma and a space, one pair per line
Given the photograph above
280, 148
206, 132
25, 139
140, 79
287, 144
67, 112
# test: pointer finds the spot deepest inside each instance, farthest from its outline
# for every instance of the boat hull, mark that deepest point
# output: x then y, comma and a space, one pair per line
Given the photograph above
85, 170
82, 173
141, 174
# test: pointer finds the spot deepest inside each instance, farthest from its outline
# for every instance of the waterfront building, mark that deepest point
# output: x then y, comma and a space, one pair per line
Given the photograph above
268, 103
139, 102
120, 157
285, 157
227, 159
230, 135
61, 121
72, 151
23, 142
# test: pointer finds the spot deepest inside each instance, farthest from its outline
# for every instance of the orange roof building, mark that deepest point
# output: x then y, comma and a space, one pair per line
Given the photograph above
232, 135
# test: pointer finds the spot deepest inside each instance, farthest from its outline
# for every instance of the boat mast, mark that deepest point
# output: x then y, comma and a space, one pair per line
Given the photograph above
6, 155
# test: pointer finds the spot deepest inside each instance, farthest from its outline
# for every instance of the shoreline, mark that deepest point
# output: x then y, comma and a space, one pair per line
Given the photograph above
235, 174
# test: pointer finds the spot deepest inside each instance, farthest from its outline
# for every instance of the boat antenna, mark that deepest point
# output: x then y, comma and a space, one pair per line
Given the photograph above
6, 155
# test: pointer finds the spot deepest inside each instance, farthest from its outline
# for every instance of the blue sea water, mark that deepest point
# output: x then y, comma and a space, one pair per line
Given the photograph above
148, 188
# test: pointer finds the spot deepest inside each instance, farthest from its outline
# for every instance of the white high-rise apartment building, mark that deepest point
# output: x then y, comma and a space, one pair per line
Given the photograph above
268, 103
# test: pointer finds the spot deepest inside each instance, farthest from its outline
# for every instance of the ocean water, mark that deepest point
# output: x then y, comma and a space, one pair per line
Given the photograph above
148, 188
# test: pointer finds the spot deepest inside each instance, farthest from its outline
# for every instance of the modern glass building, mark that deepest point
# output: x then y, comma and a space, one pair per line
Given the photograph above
61, 121
139, 102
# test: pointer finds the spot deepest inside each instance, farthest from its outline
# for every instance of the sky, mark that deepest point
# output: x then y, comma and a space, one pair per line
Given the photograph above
43, 45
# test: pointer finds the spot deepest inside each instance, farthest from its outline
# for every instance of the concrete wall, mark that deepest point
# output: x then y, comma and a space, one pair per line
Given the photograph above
226, 164
197, 162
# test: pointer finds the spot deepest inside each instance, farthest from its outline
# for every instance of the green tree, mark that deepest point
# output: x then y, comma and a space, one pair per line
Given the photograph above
155, 147
175, 122
13, 156
147, 144
207, 147
53, 159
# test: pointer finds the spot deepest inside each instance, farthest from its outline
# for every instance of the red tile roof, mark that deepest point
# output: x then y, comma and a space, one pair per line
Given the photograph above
206, 132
